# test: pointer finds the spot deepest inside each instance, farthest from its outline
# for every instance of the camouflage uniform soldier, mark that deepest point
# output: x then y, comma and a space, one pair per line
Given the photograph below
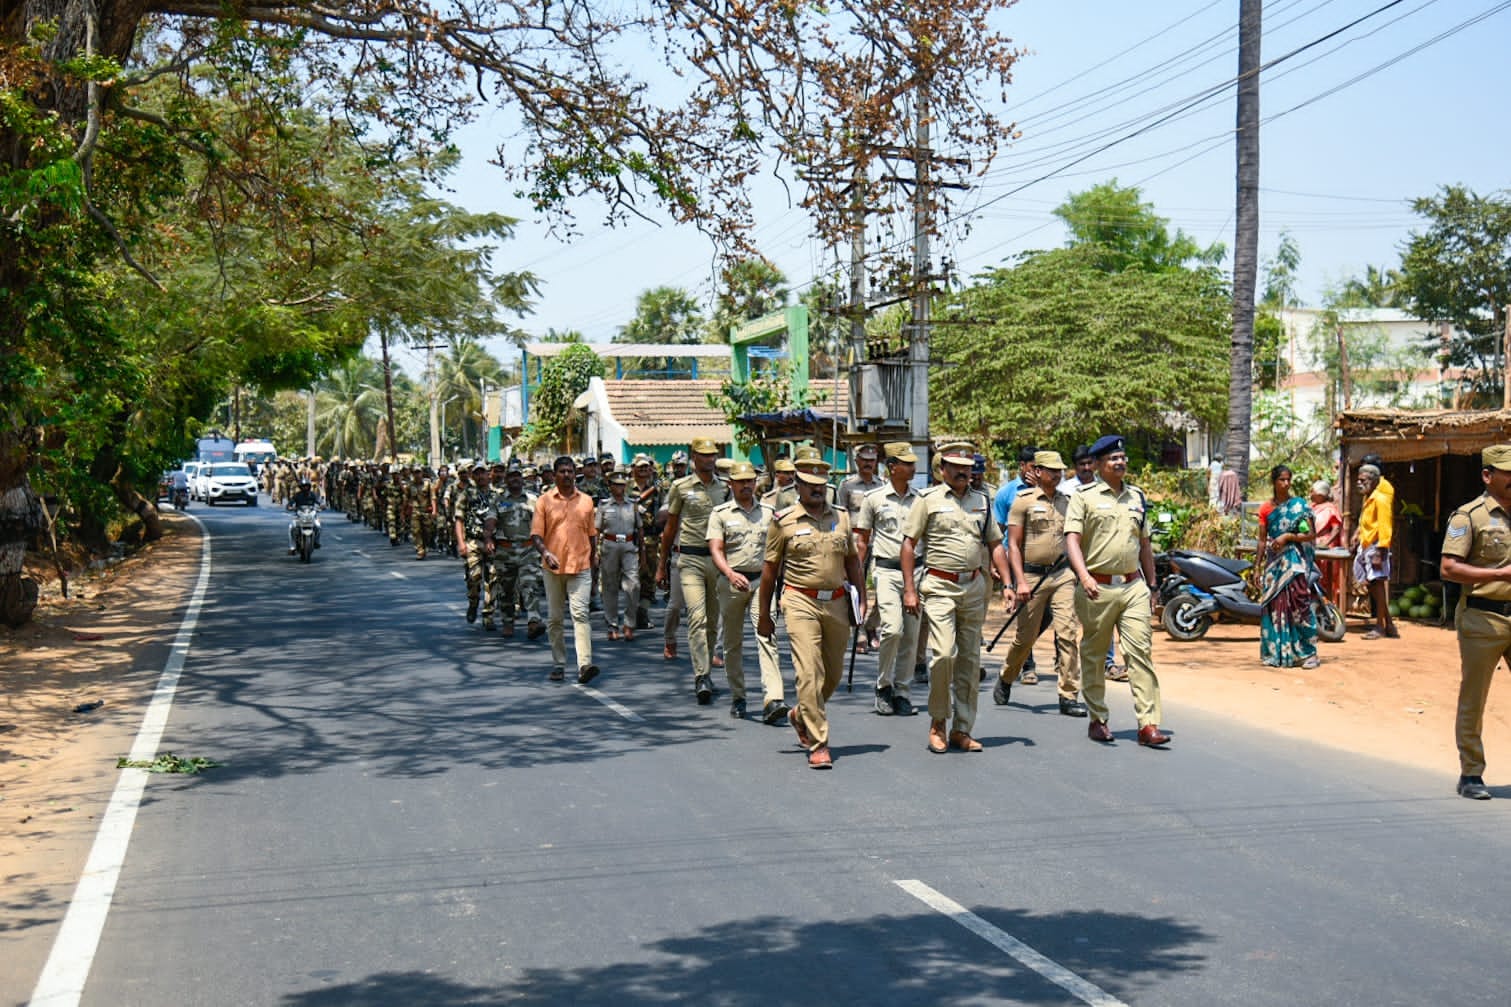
474, 526
516, 564
394, 501
647, 496
421, 512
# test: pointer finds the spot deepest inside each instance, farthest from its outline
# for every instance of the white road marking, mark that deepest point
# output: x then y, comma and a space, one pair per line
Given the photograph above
359, 552
1081, 989
395, 573
62, 979
614, 705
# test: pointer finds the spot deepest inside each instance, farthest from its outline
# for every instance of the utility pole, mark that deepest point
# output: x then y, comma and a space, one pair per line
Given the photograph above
918, 349
309, 425
431, 395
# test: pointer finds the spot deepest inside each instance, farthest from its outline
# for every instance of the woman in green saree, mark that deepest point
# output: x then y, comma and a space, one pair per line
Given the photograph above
1288, 630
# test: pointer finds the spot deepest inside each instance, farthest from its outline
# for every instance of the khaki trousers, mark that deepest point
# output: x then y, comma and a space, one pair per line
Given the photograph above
899, 633
674, 606
700, 592
1484, 639
818, 632
1126, 609
619, 573
1058, 595
735, 609
564, 590
956, 613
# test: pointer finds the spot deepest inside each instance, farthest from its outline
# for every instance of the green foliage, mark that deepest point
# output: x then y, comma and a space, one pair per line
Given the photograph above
748, 288
1128, 233
1459, 269
563, 378
767, 392
1059, 350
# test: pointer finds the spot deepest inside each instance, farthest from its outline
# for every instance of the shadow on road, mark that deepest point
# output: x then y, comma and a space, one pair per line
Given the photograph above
907, 959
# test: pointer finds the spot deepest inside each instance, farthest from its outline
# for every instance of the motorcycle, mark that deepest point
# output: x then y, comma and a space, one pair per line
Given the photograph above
1201, 588
181, 498
304, 533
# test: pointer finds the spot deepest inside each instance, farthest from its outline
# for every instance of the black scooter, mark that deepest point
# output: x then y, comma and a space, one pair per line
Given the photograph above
1202, 588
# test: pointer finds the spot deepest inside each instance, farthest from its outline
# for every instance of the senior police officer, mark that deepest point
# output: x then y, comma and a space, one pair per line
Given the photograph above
1043, 582
810, 547
737, 532
1477, 553
619, 563
951, 524
476, 519
879, 529
691, 500
516, 580
1107, 544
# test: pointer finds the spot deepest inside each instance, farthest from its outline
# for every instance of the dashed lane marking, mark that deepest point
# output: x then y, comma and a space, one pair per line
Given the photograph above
612, 704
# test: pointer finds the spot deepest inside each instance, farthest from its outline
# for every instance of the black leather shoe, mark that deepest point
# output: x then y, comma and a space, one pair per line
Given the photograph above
737, 709
587, 673
557, 674
704, 687
1002, 691
774, 712
471, 611
902, 706
884, 700
1473, 787
1072, 708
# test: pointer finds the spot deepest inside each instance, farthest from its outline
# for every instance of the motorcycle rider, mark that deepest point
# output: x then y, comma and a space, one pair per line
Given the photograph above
180, 494
304, 496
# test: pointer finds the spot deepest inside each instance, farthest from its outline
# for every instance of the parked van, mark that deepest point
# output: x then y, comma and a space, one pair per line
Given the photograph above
255, 453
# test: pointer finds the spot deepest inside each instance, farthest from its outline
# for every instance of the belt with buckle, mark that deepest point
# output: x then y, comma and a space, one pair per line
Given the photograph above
889, 564
695, 550
955, 576
816, 593
1489, 605
1116, 579
749, 574
618, 538
1039, 568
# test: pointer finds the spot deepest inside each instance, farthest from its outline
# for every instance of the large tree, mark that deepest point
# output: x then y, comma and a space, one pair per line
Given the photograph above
1458, 269
1116, 219
1029, 360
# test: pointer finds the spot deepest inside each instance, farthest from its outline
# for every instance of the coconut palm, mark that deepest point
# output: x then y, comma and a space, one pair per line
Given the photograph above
347, 407
460, 372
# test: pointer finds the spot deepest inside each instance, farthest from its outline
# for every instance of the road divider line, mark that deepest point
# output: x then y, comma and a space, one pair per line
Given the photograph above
395, 573
612, 704
62, 980
1083, 990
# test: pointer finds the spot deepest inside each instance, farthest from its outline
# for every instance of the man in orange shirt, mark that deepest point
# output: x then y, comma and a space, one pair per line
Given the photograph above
565, 534
1372, 558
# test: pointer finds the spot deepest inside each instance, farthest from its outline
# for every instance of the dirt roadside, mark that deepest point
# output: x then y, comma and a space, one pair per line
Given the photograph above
1393, 699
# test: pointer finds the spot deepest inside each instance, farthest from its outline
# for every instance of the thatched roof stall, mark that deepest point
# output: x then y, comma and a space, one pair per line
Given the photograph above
1432, 457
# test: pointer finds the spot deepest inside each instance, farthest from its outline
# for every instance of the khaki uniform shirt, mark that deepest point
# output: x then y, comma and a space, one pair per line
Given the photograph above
813, 549
781, 498
1479, 533
618, 518
1043, 522
1111, 526
958, 532
743, 533
694, 502
882, 513
515, 514
853, 491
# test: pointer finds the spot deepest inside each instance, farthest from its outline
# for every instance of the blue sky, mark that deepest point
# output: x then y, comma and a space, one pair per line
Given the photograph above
1337, 173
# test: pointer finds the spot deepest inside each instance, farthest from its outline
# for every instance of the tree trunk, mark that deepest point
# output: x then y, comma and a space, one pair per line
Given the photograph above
1246, 243
387, 398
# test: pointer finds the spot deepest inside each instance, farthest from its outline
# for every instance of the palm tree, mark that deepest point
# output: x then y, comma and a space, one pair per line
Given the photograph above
347, 407
1246, 242
460, 374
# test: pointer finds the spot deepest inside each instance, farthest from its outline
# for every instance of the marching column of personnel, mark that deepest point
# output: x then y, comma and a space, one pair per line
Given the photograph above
885, 561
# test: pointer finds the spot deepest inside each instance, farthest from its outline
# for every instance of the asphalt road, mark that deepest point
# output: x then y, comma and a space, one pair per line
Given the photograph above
409, 813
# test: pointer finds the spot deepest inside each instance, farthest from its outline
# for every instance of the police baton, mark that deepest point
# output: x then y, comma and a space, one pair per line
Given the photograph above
1018, 610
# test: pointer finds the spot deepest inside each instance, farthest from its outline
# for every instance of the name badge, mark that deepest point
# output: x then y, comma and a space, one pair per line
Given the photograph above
802, 531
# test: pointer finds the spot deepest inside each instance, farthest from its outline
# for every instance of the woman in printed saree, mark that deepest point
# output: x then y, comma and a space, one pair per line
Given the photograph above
1288, 631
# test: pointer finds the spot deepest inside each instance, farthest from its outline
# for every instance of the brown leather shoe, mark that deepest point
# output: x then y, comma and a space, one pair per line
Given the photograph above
1150, 737
963, 742
797, 725
669, 653
820, 758
1098, 730
937, 743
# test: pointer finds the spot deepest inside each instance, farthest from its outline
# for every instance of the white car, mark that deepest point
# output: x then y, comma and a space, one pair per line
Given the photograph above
191, 469
221, 482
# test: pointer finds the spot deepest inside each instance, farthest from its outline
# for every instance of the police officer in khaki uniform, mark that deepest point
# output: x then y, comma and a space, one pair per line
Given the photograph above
1477, 553
879, 529
952, 524
851, 492
783, 493
691, 500
1107, 544
737, 541
619, 564
1043, 582
811, 548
